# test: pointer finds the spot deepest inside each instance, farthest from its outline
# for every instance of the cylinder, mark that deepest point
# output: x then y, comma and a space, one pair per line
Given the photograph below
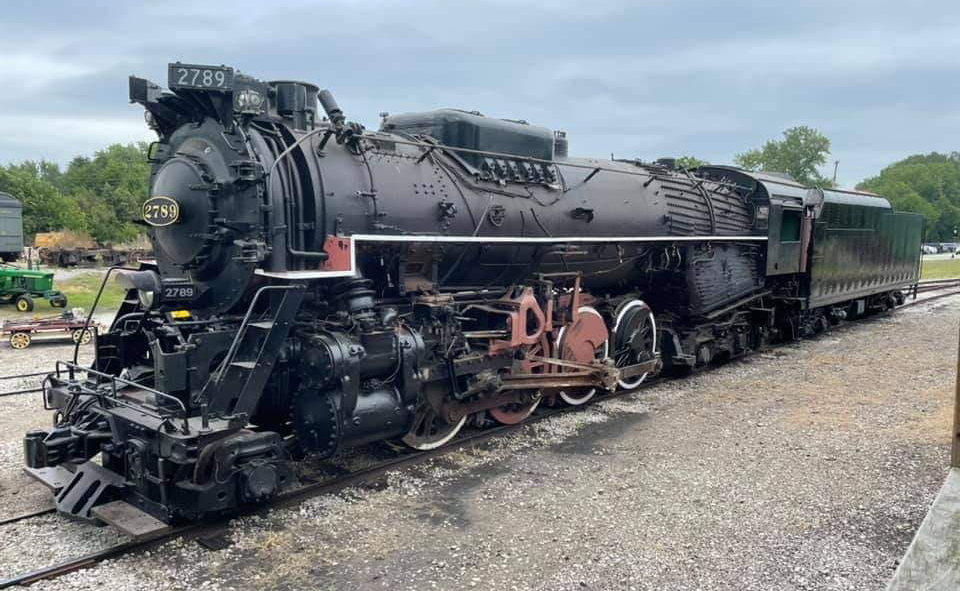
379, 415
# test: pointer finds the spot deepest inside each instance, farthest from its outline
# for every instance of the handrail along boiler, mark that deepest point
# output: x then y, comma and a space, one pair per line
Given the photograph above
319, 286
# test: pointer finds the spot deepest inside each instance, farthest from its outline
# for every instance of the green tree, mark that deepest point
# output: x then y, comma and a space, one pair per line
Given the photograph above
690, 162
798, 154
44, 208
924, 183
99, 195
109, 187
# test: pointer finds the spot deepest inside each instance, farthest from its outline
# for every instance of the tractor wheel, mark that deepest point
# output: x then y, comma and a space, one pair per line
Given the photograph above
20, 340
25, 303
81, 336
59, 301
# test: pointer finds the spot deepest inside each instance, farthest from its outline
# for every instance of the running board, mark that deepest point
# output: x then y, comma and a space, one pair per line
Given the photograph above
129, 519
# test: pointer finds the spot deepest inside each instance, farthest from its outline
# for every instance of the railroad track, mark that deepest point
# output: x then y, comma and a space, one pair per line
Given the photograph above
929, 299
934, 285
335, 484
27, 515
937, 284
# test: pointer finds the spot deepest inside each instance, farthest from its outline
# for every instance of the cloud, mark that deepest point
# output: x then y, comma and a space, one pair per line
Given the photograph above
59, 139
32, 71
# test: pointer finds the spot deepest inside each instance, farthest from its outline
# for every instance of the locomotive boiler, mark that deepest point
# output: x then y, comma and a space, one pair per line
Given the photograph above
319, 286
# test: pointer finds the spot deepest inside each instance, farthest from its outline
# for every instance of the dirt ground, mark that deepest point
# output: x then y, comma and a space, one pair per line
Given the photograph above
807, 467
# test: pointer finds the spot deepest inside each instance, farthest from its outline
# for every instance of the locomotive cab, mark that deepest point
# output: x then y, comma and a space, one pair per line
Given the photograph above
781, 214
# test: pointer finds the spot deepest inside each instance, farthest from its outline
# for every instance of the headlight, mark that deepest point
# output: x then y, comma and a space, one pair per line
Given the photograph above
147, 284
146, 298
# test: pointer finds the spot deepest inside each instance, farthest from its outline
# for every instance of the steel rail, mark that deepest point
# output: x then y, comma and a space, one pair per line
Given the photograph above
15, 392
27, 515
941, 280
929, 299
21, 376
925, 286
32, 374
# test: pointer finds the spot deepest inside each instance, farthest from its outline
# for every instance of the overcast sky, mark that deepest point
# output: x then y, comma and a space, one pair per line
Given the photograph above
640, 78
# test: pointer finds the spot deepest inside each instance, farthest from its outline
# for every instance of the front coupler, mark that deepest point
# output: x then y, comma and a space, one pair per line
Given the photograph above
153, 455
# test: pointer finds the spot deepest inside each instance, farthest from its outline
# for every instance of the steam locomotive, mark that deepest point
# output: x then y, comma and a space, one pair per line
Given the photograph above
319, 286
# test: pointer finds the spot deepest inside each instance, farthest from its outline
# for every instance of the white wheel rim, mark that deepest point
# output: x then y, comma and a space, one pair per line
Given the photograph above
653, 323
573, 400
426, 446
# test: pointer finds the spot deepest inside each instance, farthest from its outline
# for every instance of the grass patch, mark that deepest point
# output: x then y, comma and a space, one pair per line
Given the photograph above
82, 289
940, 269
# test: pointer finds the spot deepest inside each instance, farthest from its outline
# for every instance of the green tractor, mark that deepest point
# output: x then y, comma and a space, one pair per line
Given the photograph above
21, 286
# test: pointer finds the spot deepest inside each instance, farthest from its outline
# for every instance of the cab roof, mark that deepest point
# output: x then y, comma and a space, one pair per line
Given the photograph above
774, 185
761, 184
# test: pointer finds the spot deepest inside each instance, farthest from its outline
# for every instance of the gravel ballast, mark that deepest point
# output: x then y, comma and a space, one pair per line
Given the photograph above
806, 467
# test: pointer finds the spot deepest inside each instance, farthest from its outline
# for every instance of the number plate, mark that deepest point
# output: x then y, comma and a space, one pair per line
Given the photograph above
199, 77
178, 292
161, 211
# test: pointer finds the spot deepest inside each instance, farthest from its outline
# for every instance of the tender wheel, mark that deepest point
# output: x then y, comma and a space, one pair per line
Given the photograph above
634, 338
20, 340
582, 343
81, 336
429, 430
24, 303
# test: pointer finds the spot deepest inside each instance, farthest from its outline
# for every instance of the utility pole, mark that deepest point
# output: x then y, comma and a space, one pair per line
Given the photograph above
836, 163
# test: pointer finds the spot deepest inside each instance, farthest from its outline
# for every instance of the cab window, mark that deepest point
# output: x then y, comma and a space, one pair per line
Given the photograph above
790, 226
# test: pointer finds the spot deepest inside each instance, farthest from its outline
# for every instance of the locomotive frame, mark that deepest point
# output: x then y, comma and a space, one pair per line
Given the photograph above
323, 287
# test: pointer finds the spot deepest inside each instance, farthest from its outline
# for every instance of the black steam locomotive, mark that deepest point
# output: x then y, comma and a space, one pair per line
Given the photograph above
319, 286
